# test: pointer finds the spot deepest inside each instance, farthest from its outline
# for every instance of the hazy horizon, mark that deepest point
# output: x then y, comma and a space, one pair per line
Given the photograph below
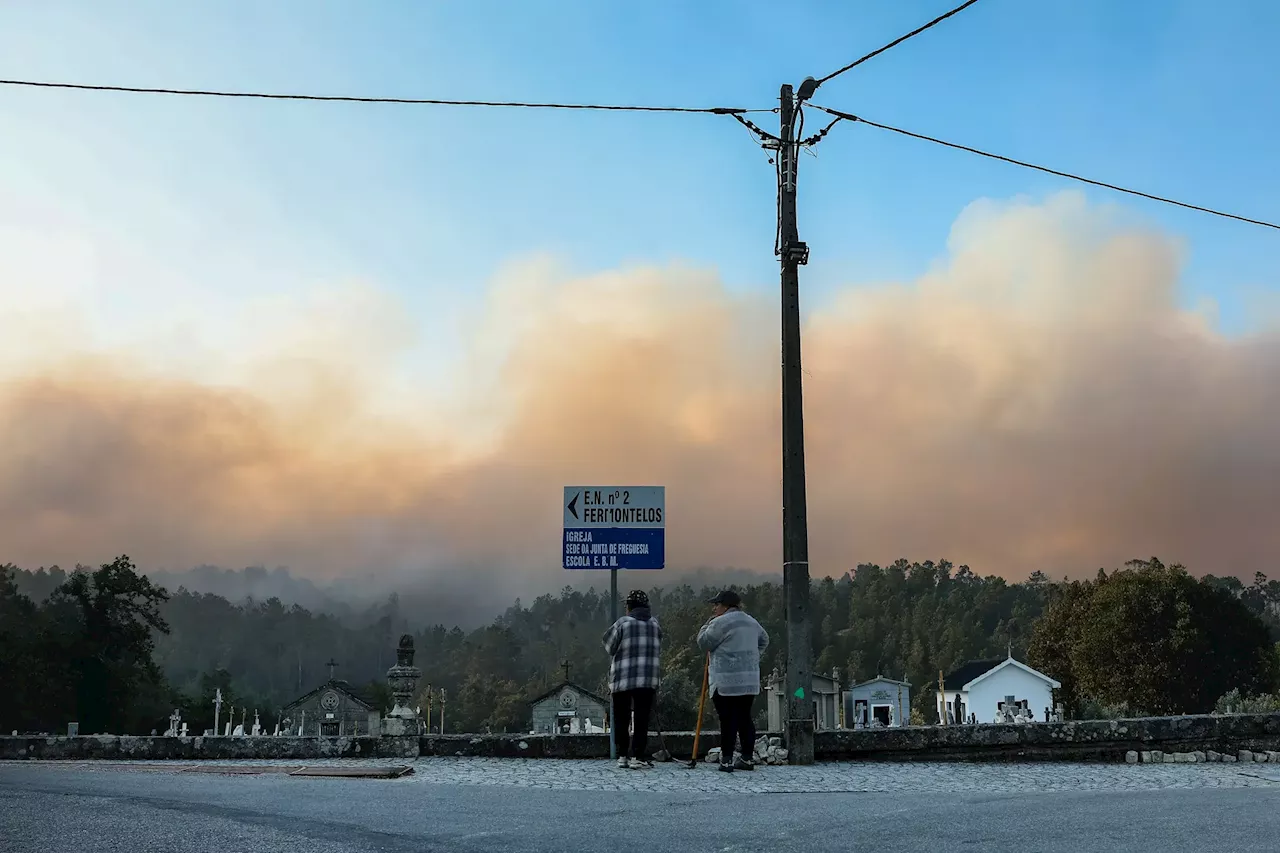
1039, 400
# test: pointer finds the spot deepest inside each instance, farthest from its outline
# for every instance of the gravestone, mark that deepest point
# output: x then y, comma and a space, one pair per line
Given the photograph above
73, 729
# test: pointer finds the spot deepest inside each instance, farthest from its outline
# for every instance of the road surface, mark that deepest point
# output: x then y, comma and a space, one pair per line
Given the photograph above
467, 805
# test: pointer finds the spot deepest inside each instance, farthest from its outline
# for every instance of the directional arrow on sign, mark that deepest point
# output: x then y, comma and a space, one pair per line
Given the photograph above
573, 506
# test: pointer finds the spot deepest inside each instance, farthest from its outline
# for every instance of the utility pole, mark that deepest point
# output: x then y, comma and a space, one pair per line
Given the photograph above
795, 526
613, 595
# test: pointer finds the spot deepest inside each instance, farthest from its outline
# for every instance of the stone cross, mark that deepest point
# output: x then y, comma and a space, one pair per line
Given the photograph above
174, 719
566, 669
217, 707
331, 664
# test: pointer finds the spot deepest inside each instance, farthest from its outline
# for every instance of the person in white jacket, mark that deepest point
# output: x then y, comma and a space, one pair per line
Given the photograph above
735, 641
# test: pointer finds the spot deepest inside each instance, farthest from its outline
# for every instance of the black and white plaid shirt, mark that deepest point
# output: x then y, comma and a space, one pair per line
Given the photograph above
635, 644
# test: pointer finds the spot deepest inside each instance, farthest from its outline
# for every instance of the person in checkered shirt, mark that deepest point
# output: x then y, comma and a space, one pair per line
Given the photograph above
635, 643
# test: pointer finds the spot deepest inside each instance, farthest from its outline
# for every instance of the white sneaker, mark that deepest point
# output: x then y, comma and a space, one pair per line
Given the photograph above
623, 764
637, 764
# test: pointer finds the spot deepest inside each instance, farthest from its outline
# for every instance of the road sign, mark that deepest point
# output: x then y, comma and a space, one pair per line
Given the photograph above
615, 527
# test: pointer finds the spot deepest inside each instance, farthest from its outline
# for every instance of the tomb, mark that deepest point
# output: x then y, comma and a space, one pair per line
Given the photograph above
334, 709
565, 707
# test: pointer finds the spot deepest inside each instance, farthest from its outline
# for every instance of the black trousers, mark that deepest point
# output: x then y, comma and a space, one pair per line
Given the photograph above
735, 725
632, 706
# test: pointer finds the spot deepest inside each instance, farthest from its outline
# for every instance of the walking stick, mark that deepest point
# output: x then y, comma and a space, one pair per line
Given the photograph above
702, 703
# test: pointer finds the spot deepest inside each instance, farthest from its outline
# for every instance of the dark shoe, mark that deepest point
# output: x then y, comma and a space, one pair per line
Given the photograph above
726, 767
741, 763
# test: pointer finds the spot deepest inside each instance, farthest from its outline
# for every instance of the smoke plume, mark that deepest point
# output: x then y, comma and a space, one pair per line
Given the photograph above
1038, 400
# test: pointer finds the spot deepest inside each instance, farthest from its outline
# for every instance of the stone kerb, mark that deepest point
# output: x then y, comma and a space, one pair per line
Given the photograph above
580, 746
128, 748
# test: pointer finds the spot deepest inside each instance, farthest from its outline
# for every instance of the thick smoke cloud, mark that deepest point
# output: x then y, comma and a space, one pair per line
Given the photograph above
1039, 400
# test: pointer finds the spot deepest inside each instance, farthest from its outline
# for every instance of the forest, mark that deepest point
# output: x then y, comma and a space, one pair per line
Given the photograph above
116, 652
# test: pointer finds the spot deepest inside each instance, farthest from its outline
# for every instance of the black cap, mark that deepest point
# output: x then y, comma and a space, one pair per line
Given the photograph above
727, 597
637, 598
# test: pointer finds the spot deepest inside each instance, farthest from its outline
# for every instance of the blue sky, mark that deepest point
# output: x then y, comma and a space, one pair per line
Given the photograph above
1176, 98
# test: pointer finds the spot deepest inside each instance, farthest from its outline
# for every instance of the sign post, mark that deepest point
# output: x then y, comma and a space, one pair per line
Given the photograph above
614, 527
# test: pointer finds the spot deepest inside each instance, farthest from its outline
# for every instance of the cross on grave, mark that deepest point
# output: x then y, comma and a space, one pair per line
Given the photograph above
331, 664
566, 669
174, 719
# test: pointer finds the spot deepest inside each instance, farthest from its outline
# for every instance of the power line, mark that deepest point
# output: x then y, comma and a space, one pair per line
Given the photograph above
379, 100
917, 31
731, 111
1045, 169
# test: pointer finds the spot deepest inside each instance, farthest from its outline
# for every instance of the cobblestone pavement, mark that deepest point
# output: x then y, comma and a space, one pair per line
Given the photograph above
950, 777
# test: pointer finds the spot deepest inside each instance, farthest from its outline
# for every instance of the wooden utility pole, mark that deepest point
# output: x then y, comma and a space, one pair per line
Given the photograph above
795, 527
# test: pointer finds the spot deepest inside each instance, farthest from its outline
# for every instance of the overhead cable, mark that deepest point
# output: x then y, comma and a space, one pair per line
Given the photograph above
917, 31
275, 96
1056, 172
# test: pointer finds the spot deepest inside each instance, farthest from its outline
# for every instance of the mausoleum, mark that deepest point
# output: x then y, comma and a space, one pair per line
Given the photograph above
995, 690
879, 701
566, 708
824, 696
334, 709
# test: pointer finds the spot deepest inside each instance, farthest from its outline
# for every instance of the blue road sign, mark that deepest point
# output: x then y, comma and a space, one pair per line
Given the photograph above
615, 527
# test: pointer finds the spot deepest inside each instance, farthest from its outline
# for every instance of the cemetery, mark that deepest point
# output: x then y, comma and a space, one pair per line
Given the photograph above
333, 721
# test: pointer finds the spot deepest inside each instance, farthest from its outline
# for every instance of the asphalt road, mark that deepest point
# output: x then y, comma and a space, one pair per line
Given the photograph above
56, 808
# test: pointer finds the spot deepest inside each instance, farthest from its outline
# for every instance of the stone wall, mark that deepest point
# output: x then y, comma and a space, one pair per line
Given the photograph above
1071, 741
1086, 740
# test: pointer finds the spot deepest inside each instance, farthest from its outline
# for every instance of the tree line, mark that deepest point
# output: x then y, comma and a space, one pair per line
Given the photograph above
117, 653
